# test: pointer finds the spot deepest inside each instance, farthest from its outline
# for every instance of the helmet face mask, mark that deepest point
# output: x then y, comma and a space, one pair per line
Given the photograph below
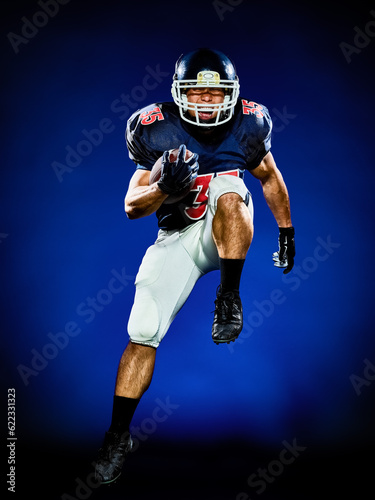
205, 69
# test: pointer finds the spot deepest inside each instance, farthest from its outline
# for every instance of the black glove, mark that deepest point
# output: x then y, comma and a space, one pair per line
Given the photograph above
285, 256
177, 175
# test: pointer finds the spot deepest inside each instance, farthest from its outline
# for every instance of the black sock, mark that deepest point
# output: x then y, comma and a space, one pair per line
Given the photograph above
231, 270
122, 413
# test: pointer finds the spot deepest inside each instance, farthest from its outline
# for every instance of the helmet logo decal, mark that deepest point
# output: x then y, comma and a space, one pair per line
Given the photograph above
208, 78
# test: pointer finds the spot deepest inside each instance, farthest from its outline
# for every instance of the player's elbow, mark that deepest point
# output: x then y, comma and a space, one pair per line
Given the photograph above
130, 211
129, 208
130, 215
133, 211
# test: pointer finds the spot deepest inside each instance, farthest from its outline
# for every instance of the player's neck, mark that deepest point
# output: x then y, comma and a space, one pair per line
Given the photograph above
208, 135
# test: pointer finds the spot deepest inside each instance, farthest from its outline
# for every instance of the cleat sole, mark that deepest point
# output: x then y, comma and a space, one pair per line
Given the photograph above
224, 341
110, 482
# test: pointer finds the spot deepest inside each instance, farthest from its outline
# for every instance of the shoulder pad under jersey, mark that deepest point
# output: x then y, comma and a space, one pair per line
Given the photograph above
254, 131
152, 130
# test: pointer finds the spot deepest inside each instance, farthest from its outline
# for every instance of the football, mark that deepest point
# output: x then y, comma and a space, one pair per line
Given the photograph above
156, 173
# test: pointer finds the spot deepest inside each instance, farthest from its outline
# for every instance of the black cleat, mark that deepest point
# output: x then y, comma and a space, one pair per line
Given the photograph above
111, 457
228, 320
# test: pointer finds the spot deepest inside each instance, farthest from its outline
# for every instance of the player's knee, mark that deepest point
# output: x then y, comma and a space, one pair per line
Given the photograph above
230, 200
144, 322
226, 185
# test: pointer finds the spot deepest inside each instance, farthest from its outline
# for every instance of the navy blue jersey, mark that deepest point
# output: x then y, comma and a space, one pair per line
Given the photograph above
227, 149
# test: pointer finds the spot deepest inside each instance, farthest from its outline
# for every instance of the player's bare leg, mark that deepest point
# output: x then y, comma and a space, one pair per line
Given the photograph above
133, 379
232, 227
232, 231
135, 371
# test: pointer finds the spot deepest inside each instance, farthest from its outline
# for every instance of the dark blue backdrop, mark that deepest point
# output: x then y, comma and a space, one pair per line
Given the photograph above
304, 366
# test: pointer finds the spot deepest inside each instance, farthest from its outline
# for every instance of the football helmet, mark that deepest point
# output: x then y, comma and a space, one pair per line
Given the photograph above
205, 68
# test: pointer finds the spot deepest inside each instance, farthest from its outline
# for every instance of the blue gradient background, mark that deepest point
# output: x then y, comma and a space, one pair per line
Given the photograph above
290, 376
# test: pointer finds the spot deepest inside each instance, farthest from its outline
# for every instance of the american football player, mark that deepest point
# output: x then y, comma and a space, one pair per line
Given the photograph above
211, 228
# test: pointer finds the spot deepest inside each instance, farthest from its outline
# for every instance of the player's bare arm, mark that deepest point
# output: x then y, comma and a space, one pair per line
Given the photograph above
276, 195
274, 190
142, 199
177, 172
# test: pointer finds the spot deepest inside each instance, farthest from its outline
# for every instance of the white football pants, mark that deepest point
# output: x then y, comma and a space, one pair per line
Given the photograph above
173, 264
